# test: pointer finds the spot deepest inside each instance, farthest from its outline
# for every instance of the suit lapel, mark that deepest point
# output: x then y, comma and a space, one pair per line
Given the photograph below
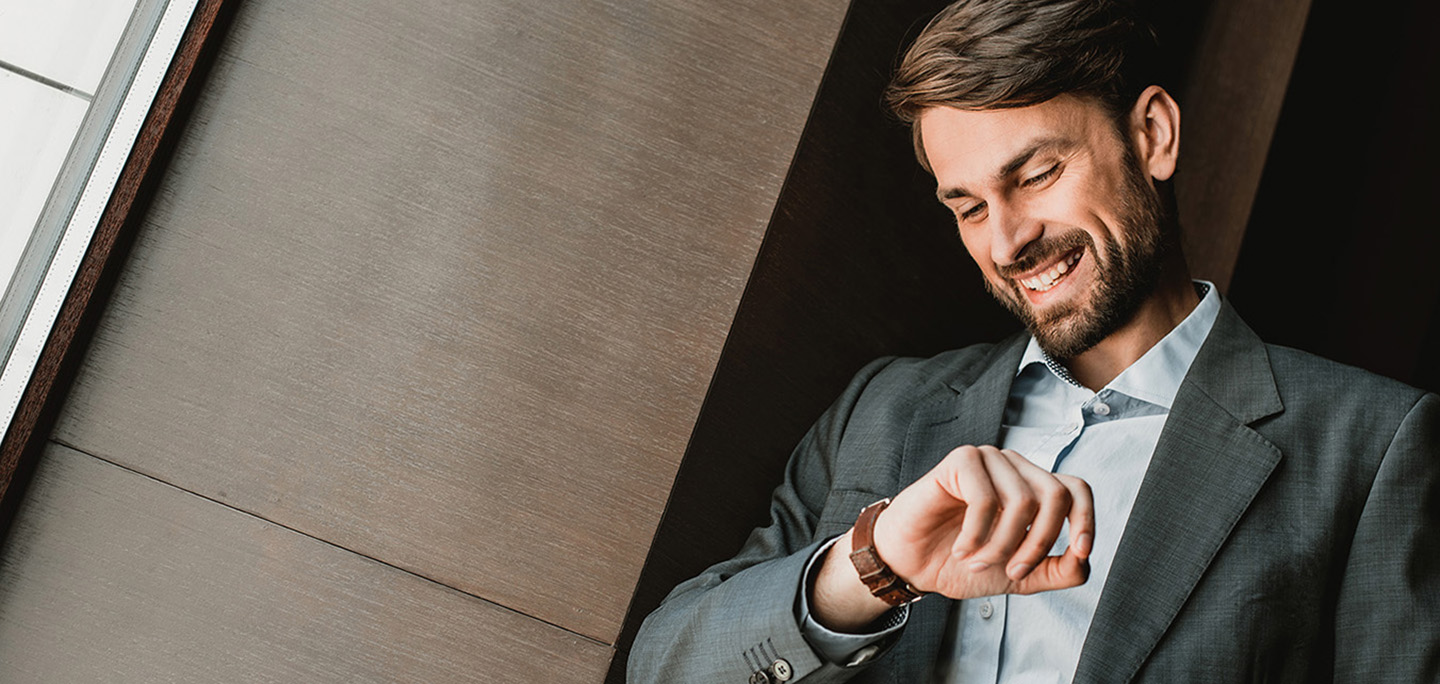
970, 413
1206, 470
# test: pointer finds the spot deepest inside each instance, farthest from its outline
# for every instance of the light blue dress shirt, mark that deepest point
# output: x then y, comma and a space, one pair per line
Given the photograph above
1105, 438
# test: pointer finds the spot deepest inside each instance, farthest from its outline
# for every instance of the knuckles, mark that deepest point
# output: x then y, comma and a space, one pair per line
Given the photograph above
1057, 496
1026, 506
967, 452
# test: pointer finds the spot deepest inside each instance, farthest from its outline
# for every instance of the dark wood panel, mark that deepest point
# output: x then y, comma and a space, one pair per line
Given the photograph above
112, 576
445, 282
1230, 105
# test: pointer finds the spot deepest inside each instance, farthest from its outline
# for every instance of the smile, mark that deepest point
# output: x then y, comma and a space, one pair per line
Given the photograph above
1048, 279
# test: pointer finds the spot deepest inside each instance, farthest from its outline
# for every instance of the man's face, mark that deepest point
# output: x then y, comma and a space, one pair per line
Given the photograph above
1055, 210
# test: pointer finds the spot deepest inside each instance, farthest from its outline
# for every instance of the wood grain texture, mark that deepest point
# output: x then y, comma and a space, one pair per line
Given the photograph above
445, 282
112, 576
1230, 106
25, 435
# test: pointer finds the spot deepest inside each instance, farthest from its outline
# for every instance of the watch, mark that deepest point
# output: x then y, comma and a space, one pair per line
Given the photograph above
874, 572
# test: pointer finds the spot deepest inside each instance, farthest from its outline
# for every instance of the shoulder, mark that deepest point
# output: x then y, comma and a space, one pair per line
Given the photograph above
1314, 384
884, 396
934, 372
899, 383
1343, 423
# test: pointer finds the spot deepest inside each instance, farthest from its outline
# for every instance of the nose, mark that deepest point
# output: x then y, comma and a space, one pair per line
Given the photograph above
1011, 232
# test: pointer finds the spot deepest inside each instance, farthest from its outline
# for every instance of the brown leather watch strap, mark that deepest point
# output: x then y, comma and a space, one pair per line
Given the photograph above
873, 572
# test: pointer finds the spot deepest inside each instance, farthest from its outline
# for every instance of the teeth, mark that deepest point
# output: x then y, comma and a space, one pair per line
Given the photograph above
1047, 280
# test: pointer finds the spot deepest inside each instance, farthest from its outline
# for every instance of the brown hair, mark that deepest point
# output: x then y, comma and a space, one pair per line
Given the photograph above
994, 54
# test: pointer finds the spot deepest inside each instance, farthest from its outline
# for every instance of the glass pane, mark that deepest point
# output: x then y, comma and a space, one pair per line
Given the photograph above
77, 78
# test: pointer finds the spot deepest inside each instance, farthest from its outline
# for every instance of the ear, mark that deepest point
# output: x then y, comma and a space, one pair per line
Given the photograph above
1155, 127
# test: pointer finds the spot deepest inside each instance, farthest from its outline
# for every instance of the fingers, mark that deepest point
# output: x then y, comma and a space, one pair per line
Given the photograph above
1054, 501
1018, 508
972, 483
1016, 511
1055, 572
1082, 515
984, 521
1071, 568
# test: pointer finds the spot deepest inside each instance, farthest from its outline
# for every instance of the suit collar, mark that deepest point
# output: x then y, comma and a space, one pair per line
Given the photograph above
968, 413
1234, 369
1207, 468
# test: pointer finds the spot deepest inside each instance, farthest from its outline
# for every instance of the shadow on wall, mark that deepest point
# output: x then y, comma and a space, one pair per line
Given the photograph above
1339, 256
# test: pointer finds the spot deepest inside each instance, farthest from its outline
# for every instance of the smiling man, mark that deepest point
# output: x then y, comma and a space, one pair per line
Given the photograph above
1138, 489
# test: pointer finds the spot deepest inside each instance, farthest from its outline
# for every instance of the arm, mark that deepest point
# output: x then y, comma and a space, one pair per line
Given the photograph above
978, 524
739, 613
1387, 621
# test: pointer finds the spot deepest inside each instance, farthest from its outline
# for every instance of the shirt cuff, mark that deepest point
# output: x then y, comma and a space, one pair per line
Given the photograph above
842, 648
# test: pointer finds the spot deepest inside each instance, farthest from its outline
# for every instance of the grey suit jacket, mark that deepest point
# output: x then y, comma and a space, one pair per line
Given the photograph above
1287, 530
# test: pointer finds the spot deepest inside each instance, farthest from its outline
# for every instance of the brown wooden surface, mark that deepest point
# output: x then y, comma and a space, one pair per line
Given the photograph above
1229, 108
444, 283
111, 576
22, 440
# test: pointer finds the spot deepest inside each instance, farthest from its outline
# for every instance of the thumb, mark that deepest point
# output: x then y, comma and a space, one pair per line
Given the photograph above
1055, 572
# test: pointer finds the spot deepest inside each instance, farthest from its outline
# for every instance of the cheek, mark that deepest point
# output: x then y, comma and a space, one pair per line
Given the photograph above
1075, 199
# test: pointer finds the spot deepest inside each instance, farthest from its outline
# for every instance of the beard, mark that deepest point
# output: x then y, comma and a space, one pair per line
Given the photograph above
1123, 279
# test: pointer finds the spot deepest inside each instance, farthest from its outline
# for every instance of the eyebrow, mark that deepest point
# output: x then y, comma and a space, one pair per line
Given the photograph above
1016, 163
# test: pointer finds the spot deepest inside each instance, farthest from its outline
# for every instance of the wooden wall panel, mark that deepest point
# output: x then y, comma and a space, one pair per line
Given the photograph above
110, 576
1230, 105
444, 282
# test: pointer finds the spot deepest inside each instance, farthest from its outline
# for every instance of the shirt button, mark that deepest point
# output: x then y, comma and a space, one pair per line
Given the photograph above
1101, 409
986, 610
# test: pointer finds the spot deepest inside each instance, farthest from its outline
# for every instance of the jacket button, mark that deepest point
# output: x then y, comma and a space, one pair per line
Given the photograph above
759, 677
782, 670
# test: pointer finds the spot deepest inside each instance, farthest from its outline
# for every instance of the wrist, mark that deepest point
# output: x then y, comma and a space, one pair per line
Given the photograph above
839, 600
877, 576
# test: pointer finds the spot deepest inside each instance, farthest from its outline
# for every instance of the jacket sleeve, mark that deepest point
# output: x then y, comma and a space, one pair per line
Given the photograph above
738, 617
1387, 620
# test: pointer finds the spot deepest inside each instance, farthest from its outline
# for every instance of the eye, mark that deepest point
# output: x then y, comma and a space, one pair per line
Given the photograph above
1042, 177
973, 213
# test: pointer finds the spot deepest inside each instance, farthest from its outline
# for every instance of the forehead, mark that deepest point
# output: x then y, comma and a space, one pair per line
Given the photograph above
969, 146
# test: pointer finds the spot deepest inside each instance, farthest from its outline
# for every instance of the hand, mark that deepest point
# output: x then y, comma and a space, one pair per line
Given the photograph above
980, 523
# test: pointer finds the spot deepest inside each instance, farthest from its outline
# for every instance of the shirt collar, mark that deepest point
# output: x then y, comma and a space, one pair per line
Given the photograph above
1157, 375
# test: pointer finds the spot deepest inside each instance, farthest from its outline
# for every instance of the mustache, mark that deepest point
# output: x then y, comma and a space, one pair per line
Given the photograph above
1043, 250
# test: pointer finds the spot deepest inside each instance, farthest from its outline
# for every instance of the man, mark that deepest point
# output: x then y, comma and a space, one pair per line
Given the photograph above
1137, 490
